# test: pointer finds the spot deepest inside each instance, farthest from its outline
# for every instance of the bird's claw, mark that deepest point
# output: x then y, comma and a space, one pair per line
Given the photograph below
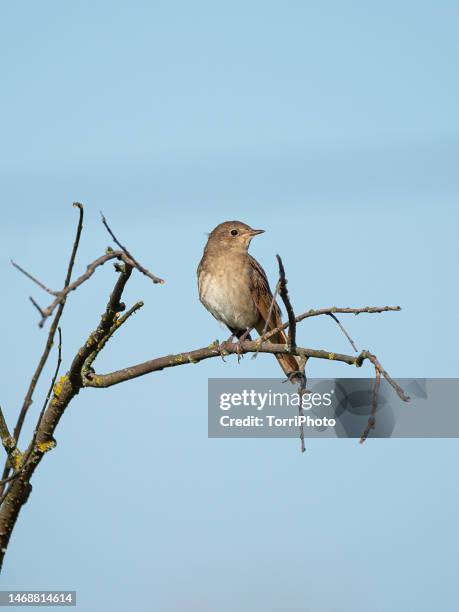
239, 351
222, 350
238, 346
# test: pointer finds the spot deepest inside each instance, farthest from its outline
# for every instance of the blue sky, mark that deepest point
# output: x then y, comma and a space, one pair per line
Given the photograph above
334, 127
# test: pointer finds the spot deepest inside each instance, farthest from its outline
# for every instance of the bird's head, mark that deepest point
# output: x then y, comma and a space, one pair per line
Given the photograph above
232, 235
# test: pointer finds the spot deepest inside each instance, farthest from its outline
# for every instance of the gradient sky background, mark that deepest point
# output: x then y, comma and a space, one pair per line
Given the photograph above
334, 126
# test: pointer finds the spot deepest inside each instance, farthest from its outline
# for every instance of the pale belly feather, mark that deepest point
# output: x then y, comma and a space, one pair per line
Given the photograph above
222, 295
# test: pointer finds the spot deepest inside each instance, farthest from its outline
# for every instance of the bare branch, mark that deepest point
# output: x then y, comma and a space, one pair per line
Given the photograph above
229, 348
90, 269
63, 392
52, 331
367, 355
32, 278
328, 311
49, 342
76, 373
135, 263
374, 404
343, 330
301, 392
86, 370
122, 255
37, 306
283, 292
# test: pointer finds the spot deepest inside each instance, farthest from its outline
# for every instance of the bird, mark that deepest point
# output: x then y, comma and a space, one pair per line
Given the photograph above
234, 288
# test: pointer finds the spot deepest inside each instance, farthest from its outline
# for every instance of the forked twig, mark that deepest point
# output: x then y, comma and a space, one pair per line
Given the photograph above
135, 263
367, 355
122, 254
49, 341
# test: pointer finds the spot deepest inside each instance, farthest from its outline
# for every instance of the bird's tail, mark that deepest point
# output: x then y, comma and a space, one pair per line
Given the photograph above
288, 363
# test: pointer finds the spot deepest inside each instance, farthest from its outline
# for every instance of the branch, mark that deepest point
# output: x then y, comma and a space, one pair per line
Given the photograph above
134, 262
64, 390
337, 321
230, 348
114, 306
32, 278
374, 404
301, 392
283, 292
373, 359
49, 341
52, 331
329, 311
90, 269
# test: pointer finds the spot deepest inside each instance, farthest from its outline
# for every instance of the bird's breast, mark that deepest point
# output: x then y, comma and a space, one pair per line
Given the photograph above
224, 289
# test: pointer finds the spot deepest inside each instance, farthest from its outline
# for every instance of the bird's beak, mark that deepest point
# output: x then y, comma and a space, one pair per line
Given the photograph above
253, 232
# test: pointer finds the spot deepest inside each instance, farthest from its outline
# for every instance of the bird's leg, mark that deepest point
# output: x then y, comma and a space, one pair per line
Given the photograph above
222, 346
241, 337
238, 334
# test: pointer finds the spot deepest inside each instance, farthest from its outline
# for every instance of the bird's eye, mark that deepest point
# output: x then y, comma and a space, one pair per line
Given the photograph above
233, 232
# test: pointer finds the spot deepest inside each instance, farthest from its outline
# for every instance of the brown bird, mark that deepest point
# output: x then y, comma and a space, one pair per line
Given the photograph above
235, 290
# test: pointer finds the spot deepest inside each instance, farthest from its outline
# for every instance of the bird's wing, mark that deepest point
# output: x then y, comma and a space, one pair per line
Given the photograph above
262, 296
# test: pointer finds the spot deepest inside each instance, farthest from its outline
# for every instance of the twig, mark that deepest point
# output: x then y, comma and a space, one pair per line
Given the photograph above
45, 403
32, 278
135, 263
327, 311
122, 254
38, 307
301, 393
55, 323
90, 269
374, 404
367, 355
343, 330
283, 292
